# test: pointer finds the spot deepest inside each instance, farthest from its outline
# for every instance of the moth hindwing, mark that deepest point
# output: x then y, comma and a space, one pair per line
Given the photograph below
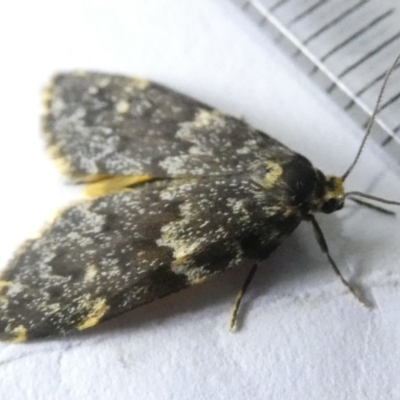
184, 192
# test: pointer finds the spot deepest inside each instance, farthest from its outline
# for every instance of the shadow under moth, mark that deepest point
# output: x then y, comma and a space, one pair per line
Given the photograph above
179, 192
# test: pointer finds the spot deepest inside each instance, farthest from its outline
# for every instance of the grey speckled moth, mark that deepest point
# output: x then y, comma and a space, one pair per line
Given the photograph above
181, 192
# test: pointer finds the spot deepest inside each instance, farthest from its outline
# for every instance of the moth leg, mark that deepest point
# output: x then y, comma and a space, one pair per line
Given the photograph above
114, 184
240, 295
324, 247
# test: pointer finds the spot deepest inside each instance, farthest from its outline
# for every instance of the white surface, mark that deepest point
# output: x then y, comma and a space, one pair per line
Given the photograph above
302, 335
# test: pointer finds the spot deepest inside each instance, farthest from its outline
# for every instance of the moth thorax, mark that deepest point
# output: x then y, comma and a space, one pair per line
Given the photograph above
329, 196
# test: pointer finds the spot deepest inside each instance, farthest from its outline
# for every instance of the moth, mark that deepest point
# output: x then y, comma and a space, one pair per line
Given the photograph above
179, 192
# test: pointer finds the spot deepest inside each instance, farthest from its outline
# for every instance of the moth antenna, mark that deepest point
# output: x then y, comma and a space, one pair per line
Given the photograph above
370, 197
372, 206
372, 119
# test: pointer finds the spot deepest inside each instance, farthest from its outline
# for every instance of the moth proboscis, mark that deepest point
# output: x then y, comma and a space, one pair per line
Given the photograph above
181, 192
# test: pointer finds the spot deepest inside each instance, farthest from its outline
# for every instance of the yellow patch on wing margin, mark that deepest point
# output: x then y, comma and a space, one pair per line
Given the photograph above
4, 284
205, 118
46, 97
97, 309
61, 162
18, 334
141, 83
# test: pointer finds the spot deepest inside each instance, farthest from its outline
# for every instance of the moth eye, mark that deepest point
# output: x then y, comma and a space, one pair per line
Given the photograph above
331, 205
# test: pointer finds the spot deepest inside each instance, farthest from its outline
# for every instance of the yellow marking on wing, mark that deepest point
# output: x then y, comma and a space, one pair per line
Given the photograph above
4, 284
46, 97
194, 276
97, 310
91, 178
79, 72
205, 118
122, 107
61, 162
91, 273
114, 184
140, 83
197, 280
273, 174
18, 334
104, 82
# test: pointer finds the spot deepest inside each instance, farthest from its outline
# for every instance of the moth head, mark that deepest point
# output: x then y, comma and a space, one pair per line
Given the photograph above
330, 194
333, 194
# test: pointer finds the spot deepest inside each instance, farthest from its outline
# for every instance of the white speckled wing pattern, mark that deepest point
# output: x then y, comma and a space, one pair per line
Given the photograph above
101, 258
100, 125
223, 194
